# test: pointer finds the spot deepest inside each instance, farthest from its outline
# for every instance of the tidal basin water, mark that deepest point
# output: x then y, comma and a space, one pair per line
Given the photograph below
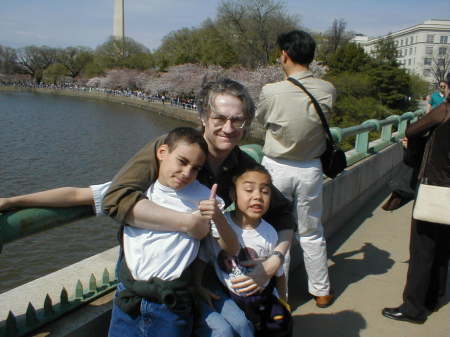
49, 141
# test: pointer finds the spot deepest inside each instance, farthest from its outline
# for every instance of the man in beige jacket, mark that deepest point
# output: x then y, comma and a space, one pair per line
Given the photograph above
294, 142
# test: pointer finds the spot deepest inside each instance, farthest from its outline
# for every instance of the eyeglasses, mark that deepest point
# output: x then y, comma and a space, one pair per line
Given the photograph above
442, 86
220, 120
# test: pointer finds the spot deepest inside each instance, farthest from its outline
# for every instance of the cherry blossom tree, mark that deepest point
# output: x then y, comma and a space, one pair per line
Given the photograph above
185, 80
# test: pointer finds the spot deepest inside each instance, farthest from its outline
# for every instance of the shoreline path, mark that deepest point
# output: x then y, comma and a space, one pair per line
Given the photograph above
368, 262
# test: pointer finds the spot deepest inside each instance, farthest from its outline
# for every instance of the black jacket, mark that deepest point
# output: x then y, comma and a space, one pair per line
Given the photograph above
436, 162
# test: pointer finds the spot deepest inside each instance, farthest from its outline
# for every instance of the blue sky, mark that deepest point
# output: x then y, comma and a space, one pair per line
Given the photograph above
62, 23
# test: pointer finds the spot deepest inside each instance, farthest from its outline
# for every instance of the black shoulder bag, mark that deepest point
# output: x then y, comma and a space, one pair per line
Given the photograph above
333, 159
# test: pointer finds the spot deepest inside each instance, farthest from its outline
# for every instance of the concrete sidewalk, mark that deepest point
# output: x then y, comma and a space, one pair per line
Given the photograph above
368, 263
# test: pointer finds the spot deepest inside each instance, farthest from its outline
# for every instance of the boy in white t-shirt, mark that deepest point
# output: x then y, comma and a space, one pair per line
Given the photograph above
257, 239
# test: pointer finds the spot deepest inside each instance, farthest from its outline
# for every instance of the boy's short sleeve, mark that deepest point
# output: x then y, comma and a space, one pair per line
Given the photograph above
98, 192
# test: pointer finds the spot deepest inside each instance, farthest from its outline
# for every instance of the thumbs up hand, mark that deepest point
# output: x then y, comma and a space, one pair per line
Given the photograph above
210, 208
212, 195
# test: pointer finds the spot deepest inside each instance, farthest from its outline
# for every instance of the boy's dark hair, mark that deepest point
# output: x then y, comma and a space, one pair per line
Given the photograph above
299, 45
209, 91
188, 135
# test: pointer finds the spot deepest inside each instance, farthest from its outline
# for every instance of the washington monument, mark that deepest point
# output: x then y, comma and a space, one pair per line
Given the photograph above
119, 23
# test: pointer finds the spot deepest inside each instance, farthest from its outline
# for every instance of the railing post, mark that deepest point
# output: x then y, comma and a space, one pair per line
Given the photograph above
362, 139
386, 130
405, 119
362, 142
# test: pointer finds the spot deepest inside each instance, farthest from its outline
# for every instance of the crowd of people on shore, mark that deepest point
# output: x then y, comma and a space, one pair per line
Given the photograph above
184, 102
171, 196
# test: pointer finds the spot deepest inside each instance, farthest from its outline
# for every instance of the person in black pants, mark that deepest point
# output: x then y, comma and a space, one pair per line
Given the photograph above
426, 281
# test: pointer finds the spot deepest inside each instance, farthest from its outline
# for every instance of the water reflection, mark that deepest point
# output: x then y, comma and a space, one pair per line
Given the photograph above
51, 141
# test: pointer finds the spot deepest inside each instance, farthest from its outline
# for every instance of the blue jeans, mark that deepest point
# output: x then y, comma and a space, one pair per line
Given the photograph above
155, 320
228, 320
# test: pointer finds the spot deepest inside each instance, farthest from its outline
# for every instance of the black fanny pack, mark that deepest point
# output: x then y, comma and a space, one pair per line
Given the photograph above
267, 314
174, 294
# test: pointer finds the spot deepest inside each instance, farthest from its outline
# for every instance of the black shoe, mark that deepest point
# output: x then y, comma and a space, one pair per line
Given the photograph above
395, 313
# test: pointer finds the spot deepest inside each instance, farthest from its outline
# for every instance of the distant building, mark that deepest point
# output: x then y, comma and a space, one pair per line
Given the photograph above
422, 49
360, 39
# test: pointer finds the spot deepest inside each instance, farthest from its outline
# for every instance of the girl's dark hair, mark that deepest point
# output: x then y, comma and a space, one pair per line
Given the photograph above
241, 170
254, 168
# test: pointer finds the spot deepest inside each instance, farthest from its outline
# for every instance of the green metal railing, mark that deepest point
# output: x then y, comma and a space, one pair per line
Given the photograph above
21, 223
363, 147
34, 319
390, 130
18, 224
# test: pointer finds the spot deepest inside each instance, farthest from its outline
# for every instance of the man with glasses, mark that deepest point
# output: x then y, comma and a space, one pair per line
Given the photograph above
438, 97
226, 111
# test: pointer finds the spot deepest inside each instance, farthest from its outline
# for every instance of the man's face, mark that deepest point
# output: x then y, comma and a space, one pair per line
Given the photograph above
179, 167
222, 131
443, 87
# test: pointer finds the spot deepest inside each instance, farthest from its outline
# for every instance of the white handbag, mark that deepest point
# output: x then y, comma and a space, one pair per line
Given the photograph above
432, 204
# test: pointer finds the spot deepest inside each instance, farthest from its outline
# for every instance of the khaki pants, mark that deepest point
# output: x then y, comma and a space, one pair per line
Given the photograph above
302, 184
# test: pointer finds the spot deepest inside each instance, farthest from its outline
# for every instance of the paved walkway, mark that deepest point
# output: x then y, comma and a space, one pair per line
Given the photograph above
368, 265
